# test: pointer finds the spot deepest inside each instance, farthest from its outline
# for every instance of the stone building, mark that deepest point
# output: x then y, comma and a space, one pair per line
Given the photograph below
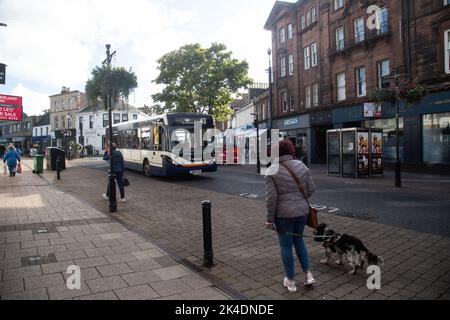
328, 56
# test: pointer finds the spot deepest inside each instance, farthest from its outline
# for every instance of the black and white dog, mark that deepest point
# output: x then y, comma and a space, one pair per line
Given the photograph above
345, 246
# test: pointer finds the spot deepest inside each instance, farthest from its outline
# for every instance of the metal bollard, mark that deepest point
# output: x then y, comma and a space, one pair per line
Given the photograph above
208, 256
58, 168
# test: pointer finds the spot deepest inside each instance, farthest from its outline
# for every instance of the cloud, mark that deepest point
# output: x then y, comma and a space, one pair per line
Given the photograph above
33, 102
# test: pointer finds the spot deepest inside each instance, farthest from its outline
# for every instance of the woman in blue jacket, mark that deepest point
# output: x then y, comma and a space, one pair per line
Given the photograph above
11, 159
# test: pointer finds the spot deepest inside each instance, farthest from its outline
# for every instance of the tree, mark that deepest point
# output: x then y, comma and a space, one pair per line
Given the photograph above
200, 80
107, 80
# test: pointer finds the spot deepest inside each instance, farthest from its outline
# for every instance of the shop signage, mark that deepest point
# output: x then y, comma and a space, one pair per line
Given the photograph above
10, 108
373, 110
291, 122
20, 139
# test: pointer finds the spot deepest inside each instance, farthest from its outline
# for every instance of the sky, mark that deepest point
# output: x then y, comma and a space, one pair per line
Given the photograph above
49, 44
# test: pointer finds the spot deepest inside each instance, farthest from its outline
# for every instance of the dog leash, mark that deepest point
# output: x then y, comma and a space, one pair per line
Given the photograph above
304, 236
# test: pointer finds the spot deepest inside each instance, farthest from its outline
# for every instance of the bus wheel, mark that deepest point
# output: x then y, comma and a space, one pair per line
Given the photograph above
147, 169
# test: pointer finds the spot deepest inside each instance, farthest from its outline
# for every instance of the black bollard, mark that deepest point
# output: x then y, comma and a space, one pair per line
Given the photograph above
58, 168
208, 257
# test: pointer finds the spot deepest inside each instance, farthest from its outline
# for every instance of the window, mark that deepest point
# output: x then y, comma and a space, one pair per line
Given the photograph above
35, 132
308, 97
105, 120
447, 51
125, 117
291, 100
80, 123
436, 138
284, 101
338, 4
315, 95
340, 40
446, 2
313, 15
289, 31
69, 122
359, 30
383, 71
56, 123
291, 65
383, 21
116, 118
46, 131
303, 20
307, 57
282, 35
308, 18
340, 79
91, 122
361, 82
63, 122
283, 67
314, 54
42, 132
135, 116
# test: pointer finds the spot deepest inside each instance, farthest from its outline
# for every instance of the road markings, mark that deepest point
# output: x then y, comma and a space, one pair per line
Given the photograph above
325, 208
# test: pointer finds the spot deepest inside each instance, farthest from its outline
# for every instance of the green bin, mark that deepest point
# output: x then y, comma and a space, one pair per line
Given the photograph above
38, 164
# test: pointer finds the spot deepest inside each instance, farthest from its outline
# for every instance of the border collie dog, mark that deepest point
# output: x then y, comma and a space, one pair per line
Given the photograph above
345, 246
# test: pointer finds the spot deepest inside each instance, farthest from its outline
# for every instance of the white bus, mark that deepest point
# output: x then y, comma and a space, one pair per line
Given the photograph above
147, 145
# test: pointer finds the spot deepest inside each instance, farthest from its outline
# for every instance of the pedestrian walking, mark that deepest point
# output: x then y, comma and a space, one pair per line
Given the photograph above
287, 211
118, 170
12, 159
2, 154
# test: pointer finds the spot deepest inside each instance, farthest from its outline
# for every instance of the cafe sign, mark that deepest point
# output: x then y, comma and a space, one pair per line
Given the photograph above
10, 108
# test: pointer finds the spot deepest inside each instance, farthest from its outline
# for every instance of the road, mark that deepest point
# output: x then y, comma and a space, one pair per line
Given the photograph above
423, 205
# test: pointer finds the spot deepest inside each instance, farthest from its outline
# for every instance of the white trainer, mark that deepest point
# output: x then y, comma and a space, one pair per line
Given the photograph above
290, 285
123, 200
105, 197
309, 279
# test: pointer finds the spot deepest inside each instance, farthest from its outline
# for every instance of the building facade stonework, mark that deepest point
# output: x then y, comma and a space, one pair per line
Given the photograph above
328, 56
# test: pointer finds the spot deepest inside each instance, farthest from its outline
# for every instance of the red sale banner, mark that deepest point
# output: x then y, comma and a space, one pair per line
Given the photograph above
10, 108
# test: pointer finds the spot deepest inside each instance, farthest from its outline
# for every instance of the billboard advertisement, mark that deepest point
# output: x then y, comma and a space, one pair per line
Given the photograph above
363, 154
377, 152
10, 108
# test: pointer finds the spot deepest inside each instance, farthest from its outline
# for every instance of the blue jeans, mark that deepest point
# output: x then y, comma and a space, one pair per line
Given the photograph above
296, 226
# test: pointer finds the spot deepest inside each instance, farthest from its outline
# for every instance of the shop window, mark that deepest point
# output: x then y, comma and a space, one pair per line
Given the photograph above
389, 137
436, 138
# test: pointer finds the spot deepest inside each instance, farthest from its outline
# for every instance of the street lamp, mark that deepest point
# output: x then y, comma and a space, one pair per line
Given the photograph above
269, 52
258, 159
112, 176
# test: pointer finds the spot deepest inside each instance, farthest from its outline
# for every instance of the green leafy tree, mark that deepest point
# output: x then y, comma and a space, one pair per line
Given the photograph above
107, 80
200, 80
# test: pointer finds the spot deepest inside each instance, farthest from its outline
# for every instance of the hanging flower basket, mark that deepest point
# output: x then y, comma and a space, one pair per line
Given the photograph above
413, 94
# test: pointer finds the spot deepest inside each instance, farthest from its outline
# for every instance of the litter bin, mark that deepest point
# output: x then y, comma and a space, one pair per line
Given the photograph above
51, 156
38, 161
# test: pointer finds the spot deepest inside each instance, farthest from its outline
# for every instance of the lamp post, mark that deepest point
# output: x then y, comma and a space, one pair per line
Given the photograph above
258, 159
269, 52
398, 164
112, 176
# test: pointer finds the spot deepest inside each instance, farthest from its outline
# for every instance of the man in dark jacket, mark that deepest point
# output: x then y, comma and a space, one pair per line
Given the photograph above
118, 170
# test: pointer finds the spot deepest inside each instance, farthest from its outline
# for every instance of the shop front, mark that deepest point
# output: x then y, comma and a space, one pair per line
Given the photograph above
320, 123
296, 129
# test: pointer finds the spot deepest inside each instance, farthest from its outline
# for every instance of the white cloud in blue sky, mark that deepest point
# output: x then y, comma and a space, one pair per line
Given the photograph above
53, 43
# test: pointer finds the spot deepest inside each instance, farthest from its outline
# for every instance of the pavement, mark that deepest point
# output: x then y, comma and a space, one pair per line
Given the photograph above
247, 259
44, 231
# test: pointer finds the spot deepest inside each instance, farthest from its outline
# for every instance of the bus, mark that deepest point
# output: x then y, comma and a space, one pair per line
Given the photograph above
147, 145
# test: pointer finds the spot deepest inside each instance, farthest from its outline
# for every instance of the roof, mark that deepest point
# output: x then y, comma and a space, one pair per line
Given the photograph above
120, 106
279, 7
45, 121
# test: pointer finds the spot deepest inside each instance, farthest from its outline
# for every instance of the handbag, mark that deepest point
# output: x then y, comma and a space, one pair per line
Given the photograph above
126, 183
312, 221
19, 168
